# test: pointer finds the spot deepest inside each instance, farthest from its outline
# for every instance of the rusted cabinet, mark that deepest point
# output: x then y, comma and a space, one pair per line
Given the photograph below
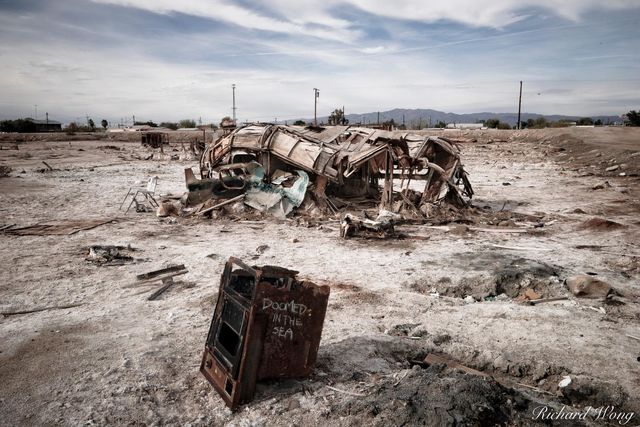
266, 324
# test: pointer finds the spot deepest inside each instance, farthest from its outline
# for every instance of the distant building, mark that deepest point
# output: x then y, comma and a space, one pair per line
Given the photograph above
46, 125
465, 126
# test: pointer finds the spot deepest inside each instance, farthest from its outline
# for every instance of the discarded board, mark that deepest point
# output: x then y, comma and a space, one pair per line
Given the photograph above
164, 275
219, 205
161, 271
59, 228
166, 284
543, 300
36, 310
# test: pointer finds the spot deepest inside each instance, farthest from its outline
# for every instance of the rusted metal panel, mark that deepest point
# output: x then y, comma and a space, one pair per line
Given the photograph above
249, 137
266, 324
302, 153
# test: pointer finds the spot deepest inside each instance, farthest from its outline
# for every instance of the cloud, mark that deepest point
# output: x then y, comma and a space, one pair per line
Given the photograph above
180, 61
485, 13
317, 19
328, 28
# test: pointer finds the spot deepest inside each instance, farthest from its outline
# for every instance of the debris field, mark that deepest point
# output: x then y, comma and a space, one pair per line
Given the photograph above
472, 276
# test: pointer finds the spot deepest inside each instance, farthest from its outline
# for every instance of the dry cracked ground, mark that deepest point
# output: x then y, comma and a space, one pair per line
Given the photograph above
453, 289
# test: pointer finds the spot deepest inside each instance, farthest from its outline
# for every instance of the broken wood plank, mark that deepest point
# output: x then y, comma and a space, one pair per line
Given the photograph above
155, 279
219, 205
59, 227
411, 205
167, 283
500, 230
36, 310
521, 248
161, 271
89, 227
541, 300
47, 165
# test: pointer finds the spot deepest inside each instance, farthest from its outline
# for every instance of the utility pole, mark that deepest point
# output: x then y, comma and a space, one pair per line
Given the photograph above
134, 120
378, 117
233, 88
403, 121
519, 104
316, 95
47, 114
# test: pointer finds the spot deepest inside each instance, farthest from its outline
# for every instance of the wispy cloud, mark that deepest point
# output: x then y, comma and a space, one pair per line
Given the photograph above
167, 60
325, 27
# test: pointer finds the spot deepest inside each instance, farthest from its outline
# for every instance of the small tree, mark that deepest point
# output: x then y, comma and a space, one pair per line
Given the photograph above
492, 123
299, 123
598, 122
148, 123
187, 123
104, 124
337, 117
169, 125
226, 121
72, 128
538, 123
91, 124
634, 118
585, 121
441, 124
18, 125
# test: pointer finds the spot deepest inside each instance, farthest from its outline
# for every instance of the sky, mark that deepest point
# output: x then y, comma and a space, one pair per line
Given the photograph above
167, 60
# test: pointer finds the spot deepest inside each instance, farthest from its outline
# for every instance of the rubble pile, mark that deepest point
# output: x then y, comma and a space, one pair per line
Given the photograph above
276, 169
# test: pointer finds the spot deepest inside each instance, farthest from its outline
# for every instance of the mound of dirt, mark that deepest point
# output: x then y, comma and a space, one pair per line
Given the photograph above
513, 278
510, 276
600, 224
438, 396
399, 394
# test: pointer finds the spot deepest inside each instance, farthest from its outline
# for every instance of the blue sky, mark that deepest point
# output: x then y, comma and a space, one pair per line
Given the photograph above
167, 60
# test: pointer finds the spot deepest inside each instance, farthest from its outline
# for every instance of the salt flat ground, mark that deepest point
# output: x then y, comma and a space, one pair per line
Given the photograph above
120, 359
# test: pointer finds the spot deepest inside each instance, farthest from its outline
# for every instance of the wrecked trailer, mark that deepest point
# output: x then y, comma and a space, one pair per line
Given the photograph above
341, 162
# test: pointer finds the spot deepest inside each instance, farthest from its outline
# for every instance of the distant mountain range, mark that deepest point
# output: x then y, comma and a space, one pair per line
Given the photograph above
423, 117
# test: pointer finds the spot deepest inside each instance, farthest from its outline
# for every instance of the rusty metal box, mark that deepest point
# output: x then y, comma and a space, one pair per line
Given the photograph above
266, 324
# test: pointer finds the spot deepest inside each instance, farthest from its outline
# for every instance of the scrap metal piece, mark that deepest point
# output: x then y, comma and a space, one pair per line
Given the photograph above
382, 227
266, 324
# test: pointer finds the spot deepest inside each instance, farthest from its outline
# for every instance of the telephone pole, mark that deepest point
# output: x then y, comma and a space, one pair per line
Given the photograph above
519, 104
316, 95
233, 88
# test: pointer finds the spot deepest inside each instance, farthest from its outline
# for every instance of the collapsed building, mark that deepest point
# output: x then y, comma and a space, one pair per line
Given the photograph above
275, 168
